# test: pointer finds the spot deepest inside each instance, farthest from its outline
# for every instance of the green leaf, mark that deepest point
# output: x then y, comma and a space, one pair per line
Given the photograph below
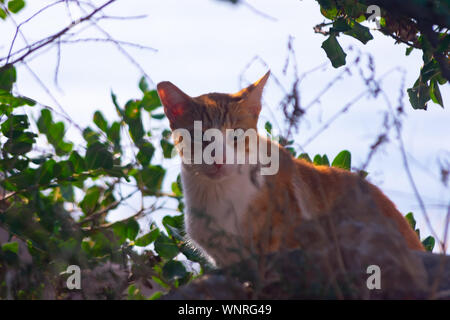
10, 102
90, 200
134, 293
409, 50
127, 229
145, 154
156, 295
22, 180
361, 18
343, 160
116, 104
132, 229
419, 94
440, 79
429, 70
363, 173
11, 247
334, 51
174, 270
158, 116
176, 189
136, 130
100, 121
435, 93
325, 160
2, 14
67, 192
150, 101
56, 132
292, 151
21, 144
174, 226
45, 121
41, 159
359, 32
90, 136
268, 127
45, 173
340, 25
410, 218
63, 148
7, 78
143, 85
305, 156
148, 238
429, 243
317, 160
114, 134
77, 162
16, 5
326, 4
328, 9
98, 156
167, 148
15, 125
165, 247
131, 110
321, 160
151, 177
418, 233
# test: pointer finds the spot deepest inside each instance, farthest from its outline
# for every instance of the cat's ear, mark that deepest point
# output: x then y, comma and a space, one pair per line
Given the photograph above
252, 94
176, 103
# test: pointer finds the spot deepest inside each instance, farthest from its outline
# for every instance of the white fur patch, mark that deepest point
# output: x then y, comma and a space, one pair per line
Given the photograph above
215, 209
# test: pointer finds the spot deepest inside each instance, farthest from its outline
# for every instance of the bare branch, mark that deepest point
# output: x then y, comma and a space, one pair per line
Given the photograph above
38, 45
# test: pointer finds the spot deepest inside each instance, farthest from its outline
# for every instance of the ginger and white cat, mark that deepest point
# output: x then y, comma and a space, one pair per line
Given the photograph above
232, 210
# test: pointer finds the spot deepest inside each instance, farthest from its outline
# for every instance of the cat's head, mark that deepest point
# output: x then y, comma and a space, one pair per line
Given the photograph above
218, 111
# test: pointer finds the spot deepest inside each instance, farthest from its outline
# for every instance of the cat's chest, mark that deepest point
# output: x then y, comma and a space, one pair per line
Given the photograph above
217, 207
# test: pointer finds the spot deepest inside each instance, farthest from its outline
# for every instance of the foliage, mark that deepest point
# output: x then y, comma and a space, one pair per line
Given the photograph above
40, 190
346, 17
421, 24
429, 241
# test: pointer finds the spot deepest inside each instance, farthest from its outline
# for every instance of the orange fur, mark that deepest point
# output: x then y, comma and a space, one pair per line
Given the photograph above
322, 189
244, 211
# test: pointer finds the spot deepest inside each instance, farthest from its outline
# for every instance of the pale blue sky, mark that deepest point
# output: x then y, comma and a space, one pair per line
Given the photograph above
203, 46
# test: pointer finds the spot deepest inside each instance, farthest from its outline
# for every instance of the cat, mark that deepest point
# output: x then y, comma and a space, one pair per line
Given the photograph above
232, 210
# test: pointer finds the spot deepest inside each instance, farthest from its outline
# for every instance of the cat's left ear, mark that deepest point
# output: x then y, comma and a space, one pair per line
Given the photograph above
176, 103
252, 94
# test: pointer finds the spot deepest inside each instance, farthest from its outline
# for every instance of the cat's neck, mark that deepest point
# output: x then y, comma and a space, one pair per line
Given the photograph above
226, 199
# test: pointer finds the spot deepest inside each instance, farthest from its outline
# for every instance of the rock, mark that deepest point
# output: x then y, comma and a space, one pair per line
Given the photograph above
211, 287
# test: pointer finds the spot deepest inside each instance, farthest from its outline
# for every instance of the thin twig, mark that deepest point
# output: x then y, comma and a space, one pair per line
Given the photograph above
33, 47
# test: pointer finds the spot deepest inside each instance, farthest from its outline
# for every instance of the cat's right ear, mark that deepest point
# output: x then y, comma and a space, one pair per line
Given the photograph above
176, 103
